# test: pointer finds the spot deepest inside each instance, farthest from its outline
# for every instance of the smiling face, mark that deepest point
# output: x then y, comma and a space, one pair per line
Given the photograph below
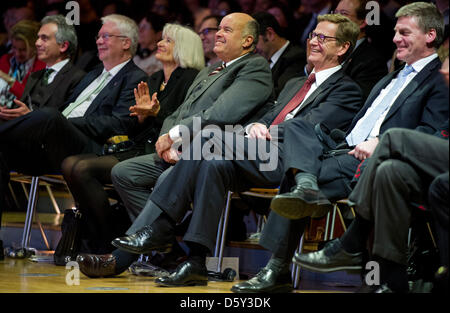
164, 53
230, 43
47, 49
208, 38
325, 55
411, 41
114, 49
20, 51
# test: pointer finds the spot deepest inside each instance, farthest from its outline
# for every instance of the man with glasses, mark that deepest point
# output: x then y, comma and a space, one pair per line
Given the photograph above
286, 60
97, 110
415, 97
327, 96
208, 29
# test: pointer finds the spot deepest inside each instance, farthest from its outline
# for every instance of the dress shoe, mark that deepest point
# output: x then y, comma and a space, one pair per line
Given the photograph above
146, 240
330, 259
301, 202
268, 281
97, 265
187, 273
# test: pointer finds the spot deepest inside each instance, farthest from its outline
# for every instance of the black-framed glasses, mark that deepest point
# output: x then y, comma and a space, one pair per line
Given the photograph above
106, 36
320, 37
206, 31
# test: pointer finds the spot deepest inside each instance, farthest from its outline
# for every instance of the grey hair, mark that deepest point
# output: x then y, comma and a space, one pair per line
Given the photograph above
64, 33
428, 17
127, 27
251, 28
188, 49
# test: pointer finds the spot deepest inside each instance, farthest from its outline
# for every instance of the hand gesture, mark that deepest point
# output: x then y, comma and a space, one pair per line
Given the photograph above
9, 114
365, 149
145, 106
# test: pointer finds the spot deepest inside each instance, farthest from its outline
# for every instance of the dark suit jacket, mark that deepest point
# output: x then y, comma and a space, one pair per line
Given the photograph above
334, 103
290, 64
109, 115
59, 91
229, 97
422, 105
169, 100
366, 67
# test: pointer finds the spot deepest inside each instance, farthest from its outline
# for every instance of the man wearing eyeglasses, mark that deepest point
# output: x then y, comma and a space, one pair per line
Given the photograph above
414, 97
207, 33
327, 96
97, 109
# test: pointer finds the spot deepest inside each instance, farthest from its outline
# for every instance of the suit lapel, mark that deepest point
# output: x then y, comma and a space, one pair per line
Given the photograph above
412, 86
321, 90
57, 81
31, 82
109, 88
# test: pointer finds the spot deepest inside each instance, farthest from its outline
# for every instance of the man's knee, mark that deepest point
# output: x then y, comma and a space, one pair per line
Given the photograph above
120, 174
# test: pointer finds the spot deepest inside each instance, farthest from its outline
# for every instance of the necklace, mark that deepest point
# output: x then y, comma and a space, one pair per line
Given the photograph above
163, 85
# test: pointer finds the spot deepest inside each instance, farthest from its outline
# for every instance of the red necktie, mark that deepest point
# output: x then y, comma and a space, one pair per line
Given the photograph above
296, 100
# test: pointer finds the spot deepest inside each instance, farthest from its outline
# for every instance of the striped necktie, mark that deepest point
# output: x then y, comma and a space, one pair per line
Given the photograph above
217, 70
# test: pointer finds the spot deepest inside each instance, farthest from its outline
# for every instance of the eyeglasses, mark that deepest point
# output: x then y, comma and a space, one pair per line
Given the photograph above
106, 36
206, 31
320, 37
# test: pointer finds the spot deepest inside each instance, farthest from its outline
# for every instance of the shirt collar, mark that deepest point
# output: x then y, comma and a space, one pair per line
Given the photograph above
278, 54
323, 75
116, 68
420, 64
58, 66
232, 61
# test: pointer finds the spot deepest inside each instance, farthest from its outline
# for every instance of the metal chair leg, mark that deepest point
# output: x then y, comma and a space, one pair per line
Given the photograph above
226, 214
31, 208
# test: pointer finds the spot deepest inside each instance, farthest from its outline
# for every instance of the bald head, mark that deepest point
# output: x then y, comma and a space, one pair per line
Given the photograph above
238, 34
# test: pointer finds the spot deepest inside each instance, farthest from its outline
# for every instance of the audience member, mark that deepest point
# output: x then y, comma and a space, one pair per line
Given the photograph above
415, 98
180, 52
150, 32
315, 9
208, 30
326, 96
97, 109
16, 67
52, 86
15, 13
227, 93
286, 20
364, 65
285, 59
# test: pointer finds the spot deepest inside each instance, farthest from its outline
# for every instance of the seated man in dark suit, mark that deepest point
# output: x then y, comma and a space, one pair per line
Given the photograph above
286, 60
414, 98
52, 86
327, 96
37, 142
407, 167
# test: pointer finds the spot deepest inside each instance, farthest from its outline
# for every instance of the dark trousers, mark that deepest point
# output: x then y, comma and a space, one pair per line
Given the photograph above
438, 199
303, 150
399, 172
205, 184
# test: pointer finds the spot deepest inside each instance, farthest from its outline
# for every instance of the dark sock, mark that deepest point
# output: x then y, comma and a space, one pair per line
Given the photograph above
123, 259
306, 180
393, 274
197, 253
354, 239
165, 223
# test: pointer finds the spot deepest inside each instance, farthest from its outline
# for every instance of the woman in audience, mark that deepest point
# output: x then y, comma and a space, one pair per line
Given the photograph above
15, 67
150, 30
181, 53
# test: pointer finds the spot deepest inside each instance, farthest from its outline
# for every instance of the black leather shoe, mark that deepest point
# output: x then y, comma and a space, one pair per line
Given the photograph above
268, 281
146, 240
330, 259
97, 265
187, 273
301, 202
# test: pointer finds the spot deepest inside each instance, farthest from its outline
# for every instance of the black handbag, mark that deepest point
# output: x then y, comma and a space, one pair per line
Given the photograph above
69, 245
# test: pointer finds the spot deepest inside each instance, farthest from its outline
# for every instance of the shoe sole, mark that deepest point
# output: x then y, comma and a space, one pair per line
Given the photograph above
190, 283
163, 249
294, 208
280, 289
352, 268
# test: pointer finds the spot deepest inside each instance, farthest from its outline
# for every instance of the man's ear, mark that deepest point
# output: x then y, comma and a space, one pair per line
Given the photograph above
430, 36
248, 42
344, 48
270, 33
64, 47
126, 44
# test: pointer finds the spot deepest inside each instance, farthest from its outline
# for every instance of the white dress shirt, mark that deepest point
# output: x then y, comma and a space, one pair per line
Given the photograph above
56, 68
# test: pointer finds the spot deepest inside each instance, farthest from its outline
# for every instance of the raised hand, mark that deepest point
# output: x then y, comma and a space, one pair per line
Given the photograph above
145, 106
